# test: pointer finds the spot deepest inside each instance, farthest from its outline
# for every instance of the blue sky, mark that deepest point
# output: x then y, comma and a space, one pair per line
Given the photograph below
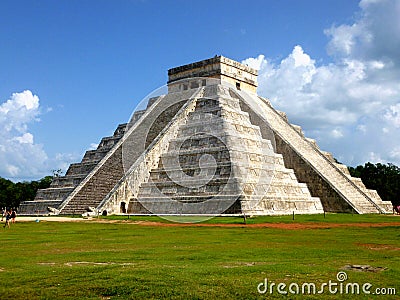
84, 65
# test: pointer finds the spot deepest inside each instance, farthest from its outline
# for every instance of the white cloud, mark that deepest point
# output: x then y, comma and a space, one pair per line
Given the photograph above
337, 133
393, 115
347, 104
20, 157
93, 146
343, 38
375, 157
301, 59
12, 170
255, 63
19, 110
26, 138
63, 160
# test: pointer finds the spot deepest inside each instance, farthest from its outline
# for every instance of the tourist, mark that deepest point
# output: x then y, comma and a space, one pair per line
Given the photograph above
396, 209
13, 215
8, 218
3, 213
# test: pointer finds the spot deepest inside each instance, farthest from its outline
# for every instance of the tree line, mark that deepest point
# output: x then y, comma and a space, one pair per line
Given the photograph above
12, 194
384, 178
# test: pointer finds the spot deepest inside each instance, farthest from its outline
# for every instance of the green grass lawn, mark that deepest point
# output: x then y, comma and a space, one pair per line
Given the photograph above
317, 218
123, 260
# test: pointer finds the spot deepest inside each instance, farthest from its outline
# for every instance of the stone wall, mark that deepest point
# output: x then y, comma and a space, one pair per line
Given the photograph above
225, 69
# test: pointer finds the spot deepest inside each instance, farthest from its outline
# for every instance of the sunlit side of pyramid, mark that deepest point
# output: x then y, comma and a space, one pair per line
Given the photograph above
210, 145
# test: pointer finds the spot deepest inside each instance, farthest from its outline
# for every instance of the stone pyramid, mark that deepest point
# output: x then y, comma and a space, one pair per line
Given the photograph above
208, 146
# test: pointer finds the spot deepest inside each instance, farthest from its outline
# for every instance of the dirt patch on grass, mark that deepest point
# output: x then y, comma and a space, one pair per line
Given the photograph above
378, 247
243, 264
364, 268
84, 263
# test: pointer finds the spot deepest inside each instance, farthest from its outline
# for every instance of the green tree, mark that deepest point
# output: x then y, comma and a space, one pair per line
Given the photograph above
12, 194
385, 179
6, 187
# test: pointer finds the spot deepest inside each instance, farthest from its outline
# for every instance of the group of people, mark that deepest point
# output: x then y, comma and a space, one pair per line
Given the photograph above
9, 215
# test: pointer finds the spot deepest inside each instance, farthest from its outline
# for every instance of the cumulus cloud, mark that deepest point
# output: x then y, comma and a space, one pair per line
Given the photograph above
348, 103
392, 115
20, 157
255, 63
18, 111
336, 133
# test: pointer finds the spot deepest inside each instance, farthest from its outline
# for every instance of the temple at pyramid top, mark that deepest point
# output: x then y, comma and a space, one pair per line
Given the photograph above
219, 67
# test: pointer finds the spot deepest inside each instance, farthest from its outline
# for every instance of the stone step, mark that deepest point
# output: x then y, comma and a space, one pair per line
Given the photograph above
80, 168
227, 116
185, 198
219, 111
94, 155
37, 207
219, 151
189, 205
218, 129
107, 143
288, 207
53, 193
192, 171
200, 140
67, 181
185, 185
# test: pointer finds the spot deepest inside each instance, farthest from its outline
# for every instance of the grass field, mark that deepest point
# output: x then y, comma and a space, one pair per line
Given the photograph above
116, 258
